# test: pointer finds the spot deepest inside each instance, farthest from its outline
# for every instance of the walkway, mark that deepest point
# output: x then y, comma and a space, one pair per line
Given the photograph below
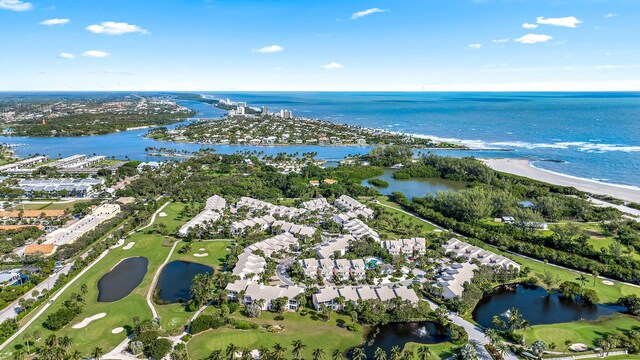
476, 334
53, 298
155, 280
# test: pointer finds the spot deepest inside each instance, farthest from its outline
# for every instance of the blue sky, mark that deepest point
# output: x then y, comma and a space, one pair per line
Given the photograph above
320, 45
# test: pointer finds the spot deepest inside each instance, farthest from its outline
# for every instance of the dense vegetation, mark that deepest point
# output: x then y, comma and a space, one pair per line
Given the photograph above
94, 124
492, 195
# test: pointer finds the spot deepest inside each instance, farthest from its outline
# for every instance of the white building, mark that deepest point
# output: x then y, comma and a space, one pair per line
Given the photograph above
328, 295
405, 246
454, 277
459, 248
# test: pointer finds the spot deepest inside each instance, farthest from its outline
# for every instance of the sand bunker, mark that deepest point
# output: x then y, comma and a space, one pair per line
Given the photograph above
88, 320
437, 230
162, 214
578, 347
129, 245
201, 249
117, 330
201, 255
607, 282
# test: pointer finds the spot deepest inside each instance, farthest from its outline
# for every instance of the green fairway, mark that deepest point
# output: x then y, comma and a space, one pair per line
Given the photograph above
313, 333
585, 332
119, 313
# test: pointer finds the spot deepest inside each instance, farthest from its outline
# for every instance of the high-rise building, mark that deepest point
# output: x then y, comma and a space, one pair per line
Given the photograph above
265, 111
285, 114
241, 110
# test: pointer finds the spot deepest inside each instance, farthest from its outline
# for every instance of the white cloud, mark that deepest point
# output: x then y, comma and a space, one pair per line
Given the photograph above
533, 38
115, 28
15, 5
569, 21
332, 66
269, 49
55, 21
95, 54
610, 15
529, 26
500, 41
475, 46
65, 55
364, 13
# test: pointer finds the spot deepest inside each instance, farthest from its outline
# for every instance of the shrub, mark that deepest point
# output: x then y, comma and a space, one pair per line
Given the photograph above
158, 348
136, 347
244, 325
458, 334
354, 327
59, 319
205, 322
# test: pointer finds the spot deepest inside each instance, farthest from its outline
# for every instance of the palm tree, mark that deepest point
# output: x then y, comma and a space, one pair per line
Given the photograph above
408, 355
318, 354
424, 352
27, 341
298, 348
97, 353
18, 355
51, 341
538, 348
215, 355
231, 351
468, 352
278, 351
380, 354
582, 279
396, 352
66, 342
76, 355
336, 354
358, 354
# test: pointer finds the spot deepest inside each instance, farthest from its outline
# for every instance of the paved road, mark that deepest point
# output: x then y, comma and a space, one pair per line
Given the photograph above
630, 212
53, 298
11, 310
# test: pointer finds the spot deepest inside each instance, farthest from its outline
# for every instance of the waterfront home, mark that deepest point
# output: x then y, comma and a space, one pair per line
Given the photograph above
453, 278
8, 278
328, 296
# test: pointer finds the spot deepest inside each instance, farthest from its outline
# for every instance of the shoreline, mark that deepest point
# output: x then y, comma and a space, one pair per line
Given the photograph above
525, 168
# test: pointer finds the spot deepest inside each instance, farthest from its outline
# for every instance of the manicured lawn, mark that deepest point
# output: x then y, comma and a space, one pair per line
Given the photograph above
119, 313
173, 220
585, 332
313, 333
216, 250
419, 227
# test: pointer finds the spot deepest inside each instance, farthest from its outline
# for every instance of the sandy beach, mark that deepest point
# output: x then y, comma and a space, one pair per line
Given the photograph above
524, 168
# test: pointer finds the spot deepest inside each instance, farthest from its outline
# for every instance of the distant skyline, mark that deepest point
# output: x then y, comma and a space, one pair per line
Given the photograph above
331, 45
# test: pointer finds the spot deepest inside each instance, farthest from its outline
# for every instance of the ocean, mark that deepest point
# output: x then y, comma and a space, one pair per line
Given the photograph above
588, 135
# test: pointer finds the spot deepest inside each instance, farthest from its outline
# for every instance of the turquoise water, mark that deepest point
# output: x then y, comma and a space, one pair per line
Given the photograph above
590, 135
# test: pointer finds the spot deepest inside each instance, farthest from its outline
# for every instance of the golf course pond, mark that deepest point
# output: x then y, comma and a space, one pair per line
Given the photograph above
536, 305
122, 279
414, 187
175, 281
392, 334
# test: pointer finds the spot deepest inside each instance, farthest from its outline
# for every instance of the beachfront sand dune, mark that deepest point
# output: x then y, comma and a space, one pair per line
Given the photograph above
523, 168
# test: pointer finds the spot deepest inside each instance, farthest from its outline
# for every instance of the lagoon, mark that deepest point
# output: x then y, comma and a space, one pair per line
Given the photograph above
398, 334
122, 279
414, 187
536, 306
175, 280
